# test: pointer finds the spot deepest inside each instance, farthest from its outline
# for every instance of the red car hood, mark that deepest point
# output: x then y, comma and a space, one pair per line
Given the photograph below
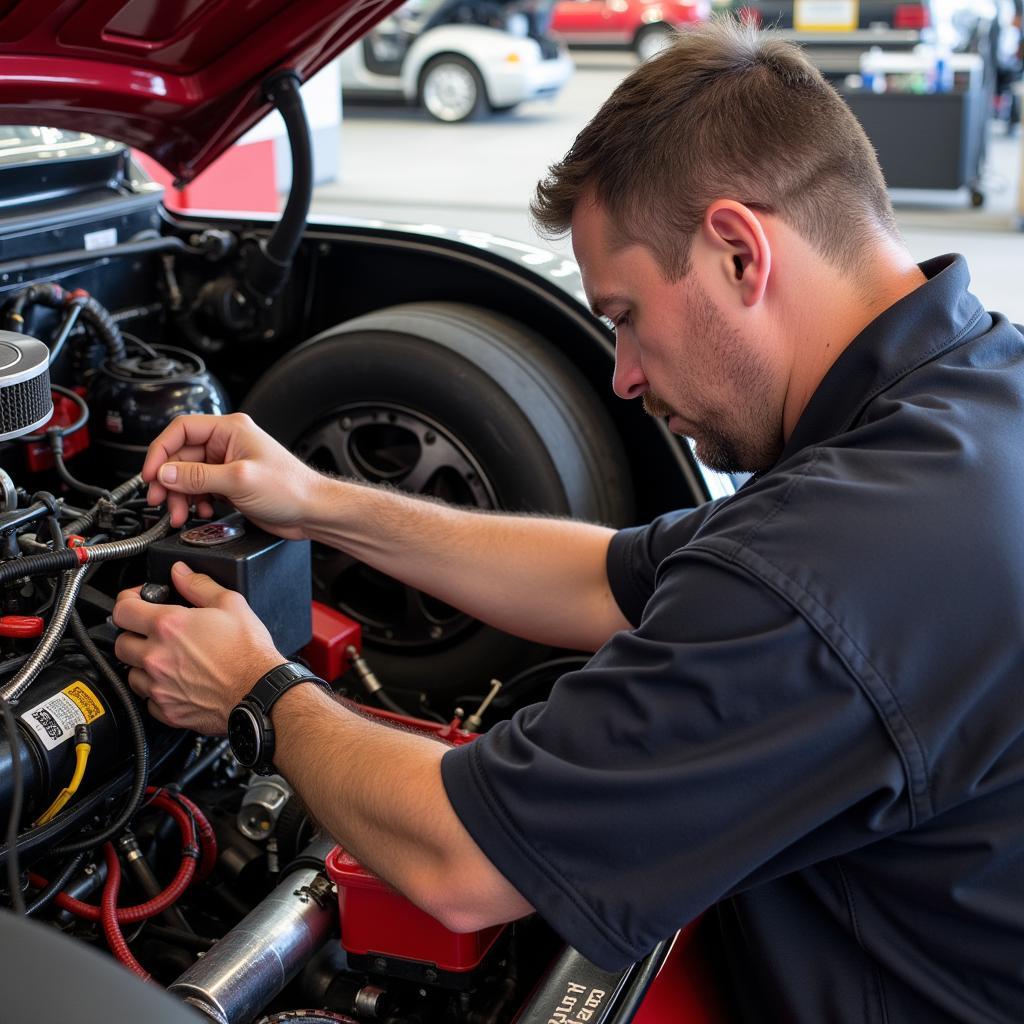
178, 79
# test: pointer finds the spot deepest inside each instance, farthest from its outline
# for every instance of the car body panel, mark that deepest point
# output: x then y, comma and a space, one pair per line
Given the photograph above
513, 68
619, 22
835, 35
181, 82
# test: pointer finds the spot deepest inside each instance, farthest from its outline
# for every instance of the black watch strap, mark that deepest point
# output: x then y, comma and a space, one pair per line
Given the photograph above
273, 684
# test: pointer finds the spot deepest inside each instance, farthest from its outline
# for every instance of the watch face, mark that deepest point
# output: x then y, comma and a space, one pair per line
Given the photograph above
244, 736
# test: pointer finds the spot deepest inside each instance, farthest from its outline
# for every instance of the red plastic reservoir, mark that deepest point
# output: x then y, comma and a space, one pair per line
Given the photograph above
378, 921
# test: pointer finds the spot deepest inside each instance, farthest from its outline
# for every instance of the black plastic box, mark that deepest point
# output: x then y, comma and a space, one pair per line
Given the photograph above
273, 575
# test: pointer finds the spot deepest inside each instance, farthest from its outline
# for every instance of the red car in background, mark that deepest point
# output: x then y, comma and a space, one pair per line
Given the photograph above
645, 25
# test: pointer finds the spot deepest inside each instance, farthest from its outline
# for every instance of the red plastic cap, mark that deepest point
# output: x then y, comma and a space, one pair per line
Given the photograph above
376, 920
21, 625
332, 634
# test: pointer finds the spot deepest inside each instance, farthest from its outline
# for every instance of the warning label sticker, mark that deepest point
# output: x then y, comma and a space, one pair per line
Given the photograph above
54, 720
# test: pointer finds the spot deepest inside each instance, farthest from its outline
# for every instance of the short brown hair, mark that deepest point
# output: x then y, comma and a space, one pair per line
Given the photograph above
725, 112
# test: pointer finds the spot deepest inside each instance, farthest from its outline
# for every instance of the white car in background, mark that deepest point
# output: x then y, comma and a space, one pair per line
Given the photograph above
458, 59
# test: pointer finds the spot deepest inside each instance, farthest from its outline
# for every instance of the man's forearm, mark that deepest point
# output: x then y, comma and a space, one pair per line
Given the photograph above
539, 578
378, 791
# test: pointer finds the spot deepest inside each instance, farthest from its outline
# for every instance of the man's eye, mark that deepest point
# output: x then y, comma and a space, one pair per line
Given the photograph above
614, 322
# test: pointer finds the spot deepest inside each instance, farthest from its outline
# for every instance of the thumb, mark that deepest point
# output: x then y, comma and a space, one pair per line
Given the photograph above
195, 478
197, 588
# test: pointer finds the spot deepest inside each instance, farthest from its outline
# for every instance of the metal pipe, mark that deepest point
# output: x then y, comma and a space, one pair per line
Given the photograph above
242, 972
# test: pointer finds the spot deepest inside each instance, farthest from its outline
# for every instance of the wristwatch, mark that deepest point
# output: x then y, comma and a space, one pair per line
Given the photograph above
250, 731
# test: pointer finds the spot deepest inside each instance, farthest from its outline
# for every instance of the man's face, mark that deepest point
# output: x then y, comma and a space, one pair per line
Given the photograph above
677, 351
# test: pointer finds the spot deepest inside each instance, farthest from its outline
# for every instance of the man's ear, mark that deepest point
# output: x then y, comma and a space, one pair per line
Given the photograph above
737, 239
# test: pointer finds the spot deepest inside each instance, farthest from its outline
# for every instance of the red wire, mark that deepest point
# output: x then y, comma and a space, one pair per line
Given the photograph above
160, 902
207, 838
111, 929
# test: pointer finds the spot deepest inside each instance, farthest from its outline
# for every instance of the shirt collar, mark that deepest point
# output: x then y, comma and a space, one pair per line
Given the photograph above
937, 316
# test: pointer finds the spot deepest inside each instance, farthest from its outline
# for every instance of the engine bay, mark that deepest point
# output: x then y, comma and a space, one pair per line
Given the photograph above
155, 843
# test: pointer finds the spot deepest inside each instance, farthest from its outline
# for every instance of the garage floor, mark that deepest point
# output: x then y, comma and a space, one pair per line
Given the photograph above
398, 165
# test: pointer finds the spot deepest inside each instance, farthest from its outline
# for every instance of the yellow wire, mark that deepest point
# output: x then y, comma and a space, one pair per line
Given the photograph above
81, 758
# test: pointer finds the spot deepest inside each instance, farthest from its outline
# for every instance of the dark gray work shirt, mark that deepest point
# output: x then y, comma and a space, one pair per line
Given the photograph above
816, 726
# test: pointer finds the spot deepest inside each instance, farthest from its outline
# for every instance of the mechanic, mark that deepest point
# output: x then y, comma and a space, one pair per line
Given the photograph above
805, 707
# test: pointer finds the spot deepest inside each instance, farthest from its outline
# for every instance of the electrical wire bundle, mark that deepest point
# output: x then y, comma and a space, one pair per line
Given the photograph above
198, 856
69, 566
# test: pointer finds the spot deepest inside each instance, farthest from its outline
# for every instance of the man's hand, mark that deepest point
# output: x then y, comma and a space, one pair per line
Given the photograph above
193, 665
197, 457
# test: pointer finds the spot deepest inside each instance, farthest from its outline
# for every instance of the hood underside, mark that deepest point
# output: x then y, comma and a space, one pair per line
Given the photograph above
178, 79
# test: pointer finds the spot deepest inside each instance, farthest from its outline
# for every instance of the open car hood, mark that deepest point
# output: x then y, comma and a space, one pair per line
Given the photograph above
178, 79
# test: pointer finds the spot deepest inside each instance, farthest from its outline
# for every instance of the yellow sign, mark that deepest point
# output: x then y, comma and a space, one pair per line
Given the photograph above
826, 15
85, 700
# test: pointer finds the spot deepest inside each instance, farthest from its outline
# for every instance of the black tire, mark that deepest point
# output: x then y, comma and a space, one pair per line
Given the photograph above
451, 89
513, 425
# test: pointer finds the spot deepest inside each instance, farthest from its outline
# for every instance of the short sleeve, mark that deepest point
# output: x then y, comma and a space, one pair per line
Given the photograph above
636, 552
717, 745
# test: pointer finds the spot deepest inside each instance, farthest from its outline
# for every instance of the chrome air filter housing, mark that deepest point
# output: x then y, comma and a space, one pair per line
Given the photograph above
25, 399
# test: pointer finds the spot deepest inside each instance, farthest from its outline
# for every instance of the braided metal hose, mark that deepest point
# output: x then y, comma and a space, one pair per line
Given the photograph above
23, 678
71, 585
130, 545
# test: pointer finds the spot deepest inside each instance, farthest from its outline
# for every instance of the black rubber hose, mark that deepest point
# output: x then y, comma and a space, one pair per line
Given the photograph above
268, 267
95, 315
47, 564
140, 778
44, 896
11, 846
56, 440
105, 326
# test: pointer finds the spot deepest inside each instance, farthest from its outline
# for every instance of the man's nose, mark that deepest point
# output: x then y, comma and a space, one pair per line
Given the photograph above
628, 381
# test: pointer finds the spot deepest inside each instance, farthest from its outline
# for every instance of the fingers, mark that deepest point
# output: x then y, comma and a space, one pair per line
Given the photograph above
195, 587
129, 648
134, 614
183, 432
154, 709
157, 493
141, 682
178, 505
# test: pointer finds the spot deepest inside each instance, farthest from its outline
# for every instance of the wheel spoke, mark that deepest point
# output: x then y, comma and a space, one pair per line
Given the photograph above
380, 442
331, 440
432, 458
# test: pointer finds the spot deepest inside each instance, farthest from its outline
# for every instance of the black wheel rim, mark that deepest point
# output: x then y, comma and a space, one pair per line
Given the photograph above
385, 443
